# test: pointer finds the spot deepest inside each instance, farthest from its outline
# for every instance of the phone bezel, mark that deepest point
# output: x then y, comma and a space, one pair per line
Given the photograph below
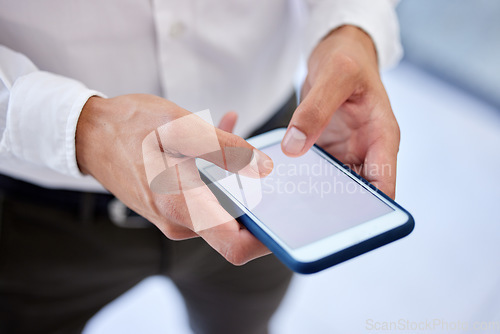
337, 242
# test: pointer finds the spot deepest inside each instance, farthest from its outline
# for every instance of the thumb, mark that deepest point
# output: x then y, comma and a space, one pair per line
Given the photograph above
313, 115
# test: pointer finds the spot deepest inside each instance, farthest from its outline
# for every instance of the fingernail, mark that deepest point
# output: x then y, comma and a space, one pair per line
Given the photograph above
261, 163
294, 141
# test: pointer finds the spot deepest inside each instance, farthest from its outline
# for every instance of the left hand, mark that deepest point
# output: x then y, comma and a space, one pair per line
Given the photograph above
345, 109
131, 145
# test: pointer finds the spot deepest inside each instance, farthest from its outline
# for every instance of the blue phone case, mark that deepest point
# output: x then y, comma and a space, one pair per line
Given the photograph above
330, 260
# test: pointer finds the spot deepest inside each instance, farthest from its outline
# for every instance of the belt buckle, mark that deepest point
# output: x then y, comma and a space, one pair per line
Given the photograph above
123, 217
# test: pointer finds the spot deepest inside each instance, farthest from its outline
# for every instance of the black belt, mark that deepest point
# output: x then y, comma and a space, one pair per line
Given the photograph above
85, 205
67, 199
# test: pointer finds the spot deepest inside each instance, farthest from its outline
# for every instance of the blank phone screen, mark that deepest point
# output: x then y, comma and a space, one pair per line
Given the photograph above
304, 199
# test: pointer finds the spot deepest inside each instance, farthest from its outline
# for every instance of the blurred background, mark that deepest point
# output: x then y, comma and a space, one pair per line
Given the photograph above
444, 277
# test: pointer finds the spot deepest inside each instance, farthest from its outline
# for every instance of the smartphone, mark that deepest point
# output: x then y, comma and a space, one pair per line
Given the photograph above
312, 211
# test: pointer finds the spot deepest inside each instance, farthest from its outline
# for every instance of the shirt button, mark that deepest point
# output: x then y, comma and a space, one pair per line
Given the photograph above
177, 29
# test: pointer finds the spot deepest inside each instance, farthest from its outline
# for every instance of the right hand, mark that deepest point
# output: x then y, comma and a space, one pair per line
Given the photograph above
109, 146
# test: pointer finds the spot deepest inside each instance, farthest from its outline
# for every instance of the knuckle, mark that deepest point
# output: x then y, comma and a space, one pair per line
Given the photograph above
234, 256
312, 113
168, 231
346, 63
397, 132
173, 232
394, 133
231, 140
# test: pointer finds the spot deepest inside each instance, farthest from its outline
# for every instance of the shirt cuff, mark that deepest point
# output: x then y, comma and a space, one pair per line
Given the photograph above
376, 17
42, 115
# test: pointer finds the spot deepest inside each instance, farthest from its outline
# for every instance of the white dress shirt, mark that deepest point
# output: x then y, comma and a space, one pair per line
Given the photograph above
208, 54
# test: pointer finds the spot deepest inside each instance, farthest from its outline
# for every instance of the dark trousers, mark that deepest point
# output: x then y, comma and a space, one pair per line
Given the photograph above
62, 260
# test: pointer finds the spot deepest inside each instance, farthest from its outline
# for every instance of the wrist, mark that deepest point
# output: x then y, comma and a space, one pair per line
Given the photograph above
86, 132
353, 33
349, 40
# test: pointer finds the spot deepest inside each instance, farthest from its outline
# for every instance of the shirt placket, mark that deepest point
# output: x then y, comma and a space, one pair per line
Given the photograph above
174, 25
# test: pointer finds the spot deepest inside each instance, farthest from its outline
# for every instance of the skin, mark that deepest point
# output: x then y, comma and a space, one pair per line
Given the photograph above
344, 108
125, 121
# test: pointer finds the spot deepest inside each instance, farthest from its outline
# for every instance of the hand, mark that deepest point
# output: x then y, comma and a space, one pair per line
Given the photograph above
345, 109
113, 135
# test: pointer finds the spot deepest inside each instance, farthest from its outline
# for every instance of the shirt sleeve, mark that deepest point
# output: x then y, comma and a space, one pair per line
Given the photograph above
376, 17
39, 112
